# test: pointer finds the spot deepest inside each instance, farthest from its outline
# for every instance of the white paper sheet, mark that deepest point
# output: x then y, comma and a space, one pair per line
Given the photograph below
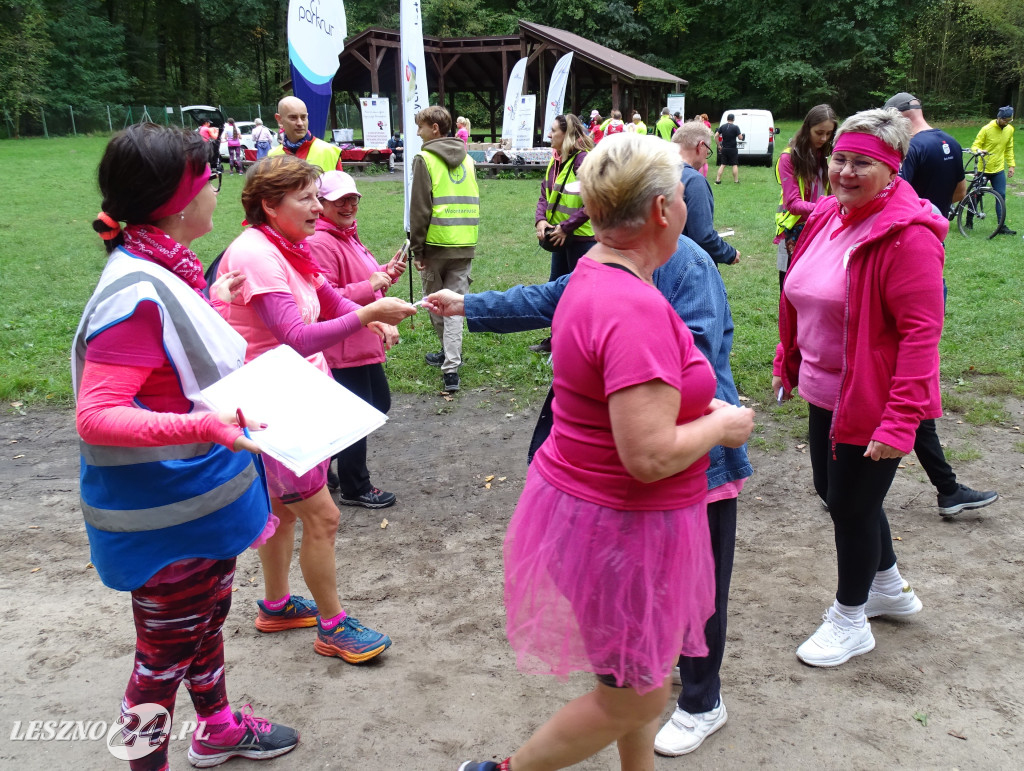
309, 416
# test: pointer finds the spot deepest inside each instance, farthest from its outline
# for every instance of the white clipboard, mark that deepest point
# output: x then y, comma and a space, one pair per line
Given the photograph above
309, 416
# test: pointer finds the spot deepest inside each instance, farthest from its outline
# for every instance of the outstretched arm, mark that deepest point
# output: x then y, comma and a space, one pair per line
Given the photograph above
518, 309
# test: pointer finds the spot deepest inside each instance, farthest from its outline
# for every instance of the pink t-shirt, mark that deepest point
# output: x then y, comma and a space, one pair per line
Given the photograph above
266, 270
816, 285
463, 135
138, 342
611, 331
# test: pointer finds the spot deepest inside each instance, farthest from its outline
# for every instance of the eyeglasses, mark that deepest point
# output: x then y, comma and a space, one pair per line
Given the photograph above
860, 168
705, 144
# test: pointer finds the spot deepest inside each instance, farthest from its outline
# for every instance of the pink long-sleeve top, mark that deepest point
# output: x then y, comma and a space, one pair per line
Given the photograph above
278, 304
347, 266
126, 368
892, 321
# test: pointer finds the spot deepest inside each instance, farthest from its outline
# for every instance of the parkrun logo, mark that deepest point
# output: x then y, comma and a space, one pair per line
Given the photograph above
311, 15
135, 733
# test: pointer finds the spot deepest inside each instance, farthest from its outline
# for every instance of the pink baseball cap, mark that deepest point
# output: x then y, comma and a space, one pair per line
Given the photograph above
337, 184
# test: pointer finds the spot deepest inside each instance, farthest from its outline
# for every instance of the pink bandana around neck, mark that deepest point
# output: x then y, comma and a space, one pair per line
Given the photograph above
155, 245
869, 145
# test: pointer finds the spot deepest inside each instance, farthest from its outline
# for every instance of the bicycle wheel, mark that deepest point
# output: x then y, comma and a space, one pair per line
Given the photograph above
981, 213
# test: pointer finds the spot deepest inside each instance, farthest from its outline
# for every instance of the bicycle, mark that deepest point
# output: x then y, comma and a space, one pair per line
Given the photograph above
982, 210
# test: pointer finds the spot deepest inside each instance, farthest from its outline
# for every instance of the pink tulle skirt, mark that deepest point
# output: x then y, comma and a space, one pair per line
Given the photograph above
593, 589
283, 483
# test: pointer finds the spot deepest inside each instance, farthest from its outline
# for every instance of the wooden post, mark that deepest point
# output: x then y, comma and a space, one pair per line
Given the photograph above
374, 70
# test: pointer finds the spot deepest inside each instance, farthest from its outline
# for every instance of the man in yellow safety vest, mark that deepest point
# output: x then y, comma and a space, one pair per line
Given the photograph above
293, 117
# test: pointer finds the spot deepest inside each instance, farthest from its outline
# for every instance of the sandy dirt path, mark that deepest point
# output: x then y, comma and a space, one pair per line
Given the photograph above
448, 689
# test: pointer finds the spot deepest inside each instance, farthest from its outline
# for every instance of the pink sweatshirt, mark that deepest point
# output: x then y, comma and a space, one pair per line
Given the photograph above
893, 311
347, 266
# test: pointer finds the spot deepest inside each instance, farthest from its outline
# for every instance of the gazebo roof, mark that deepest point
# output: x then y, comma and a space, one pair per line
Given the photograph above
481, 64
626, 67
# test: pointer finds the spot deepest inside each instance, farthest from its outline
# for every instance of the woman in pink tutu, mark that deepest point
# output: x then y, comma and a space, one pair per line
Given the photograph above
608, 564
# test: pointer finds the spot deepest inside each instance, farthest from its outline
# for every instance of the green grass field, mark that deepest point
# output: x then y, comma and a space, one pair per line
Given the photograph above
50, 260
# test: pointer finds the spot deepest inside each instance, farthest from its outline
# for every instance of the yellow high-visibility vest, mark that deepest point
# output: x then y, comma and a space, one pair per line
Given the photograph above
561, 207
455, 215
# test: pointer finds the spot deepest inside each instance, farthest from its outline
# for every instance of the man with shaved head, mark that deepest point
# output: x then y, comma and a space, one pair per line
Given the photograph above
298, 141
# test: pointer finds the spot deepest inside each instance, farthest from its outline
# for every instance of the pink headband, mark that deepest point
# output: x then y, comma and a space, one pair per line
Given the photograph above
869, 145
188, 188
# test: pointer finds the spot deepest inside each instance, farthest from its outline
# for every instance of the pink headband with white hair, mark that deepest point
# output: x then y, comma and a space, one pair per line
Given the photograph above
869, 145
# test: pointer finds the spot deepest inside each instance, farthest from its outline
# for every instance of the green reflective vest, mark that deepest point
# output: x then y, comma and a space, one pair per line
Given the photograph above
455, 218
665, 126
562, 205
784, 220
321, 153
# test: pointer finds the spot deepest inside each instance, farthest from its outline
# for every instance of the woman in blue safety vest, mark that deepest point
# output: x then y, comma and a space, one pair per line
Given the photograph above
171, 492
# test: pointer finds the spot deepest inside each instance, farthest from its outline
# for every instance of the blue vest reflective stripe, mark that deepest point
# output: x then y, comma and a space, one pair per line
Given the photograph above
147, 507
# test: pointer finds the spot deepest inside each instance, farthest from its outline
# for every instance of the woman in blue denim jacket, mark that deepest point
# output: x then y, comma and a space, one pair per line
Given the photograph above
691, 282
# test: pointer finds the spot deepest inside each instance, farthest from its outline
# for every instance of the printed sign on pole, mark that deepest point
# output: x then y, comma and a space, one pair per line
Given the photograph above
526, 111
677, 104
376, 121
512, 94
556, 93
414, 86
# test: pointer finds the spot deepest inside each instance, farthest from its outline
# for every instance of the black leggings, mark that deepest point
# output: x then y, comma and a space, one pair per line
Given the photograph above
854, 488
370, 384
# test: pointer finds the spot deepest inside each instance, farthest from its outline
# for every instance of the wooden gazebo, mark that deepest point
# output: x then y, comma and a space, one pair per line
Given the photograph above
479, 67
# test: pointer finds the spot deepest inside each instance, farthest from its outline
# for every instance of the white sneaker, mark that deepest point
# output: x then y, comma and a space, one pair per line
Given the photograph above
906, 603
832, 645
684, 732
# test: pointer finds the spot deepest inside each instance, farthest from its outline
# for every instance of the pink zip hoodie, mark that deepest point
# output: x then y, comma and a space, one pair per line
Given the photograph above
892, 323
347, 266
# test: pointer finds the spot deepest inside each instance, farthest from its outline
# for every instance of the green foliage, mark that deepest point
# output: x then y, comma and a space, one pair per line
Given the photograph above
87, 66
612, 23
960, 56
25, 51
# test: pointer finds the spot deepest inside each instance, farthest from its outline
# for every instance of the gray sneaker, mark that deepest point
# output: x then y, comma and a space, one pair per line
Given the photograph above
965, 498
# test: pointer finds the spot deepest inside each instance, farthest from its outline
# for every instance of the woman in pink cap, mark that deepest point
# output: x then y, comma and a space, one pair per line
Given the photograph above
859, 323
357, 362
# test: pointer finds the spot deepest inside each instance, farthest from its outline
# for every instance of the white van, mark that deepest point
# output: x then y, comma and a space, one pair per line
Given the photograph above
758, 128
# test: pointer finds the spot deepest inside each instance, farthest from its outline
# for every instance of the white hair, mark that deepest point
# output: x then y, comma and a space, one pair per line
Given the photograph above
888, 125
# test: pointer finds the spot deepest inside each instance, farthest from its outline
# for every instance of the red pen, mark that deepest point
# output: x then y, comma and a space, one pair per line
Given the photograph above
241, 422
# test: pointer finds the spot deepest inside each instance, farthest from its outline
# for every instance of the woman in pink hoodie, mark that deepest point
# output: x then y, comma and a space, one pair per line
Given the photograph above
859, 323
357, 362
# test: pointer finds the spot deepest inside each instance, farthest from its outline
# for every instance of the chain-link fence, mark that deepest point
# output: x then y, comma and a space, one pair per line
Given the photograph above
70, 120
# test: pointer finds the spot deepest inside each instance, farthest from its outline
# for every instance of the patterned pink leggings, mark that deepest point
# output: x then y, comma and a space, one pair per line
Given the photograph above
179, 614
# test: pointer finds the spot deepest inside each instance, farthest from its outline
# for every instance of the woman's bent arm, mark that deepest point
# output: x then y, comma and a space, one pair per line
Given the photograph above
650, 444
